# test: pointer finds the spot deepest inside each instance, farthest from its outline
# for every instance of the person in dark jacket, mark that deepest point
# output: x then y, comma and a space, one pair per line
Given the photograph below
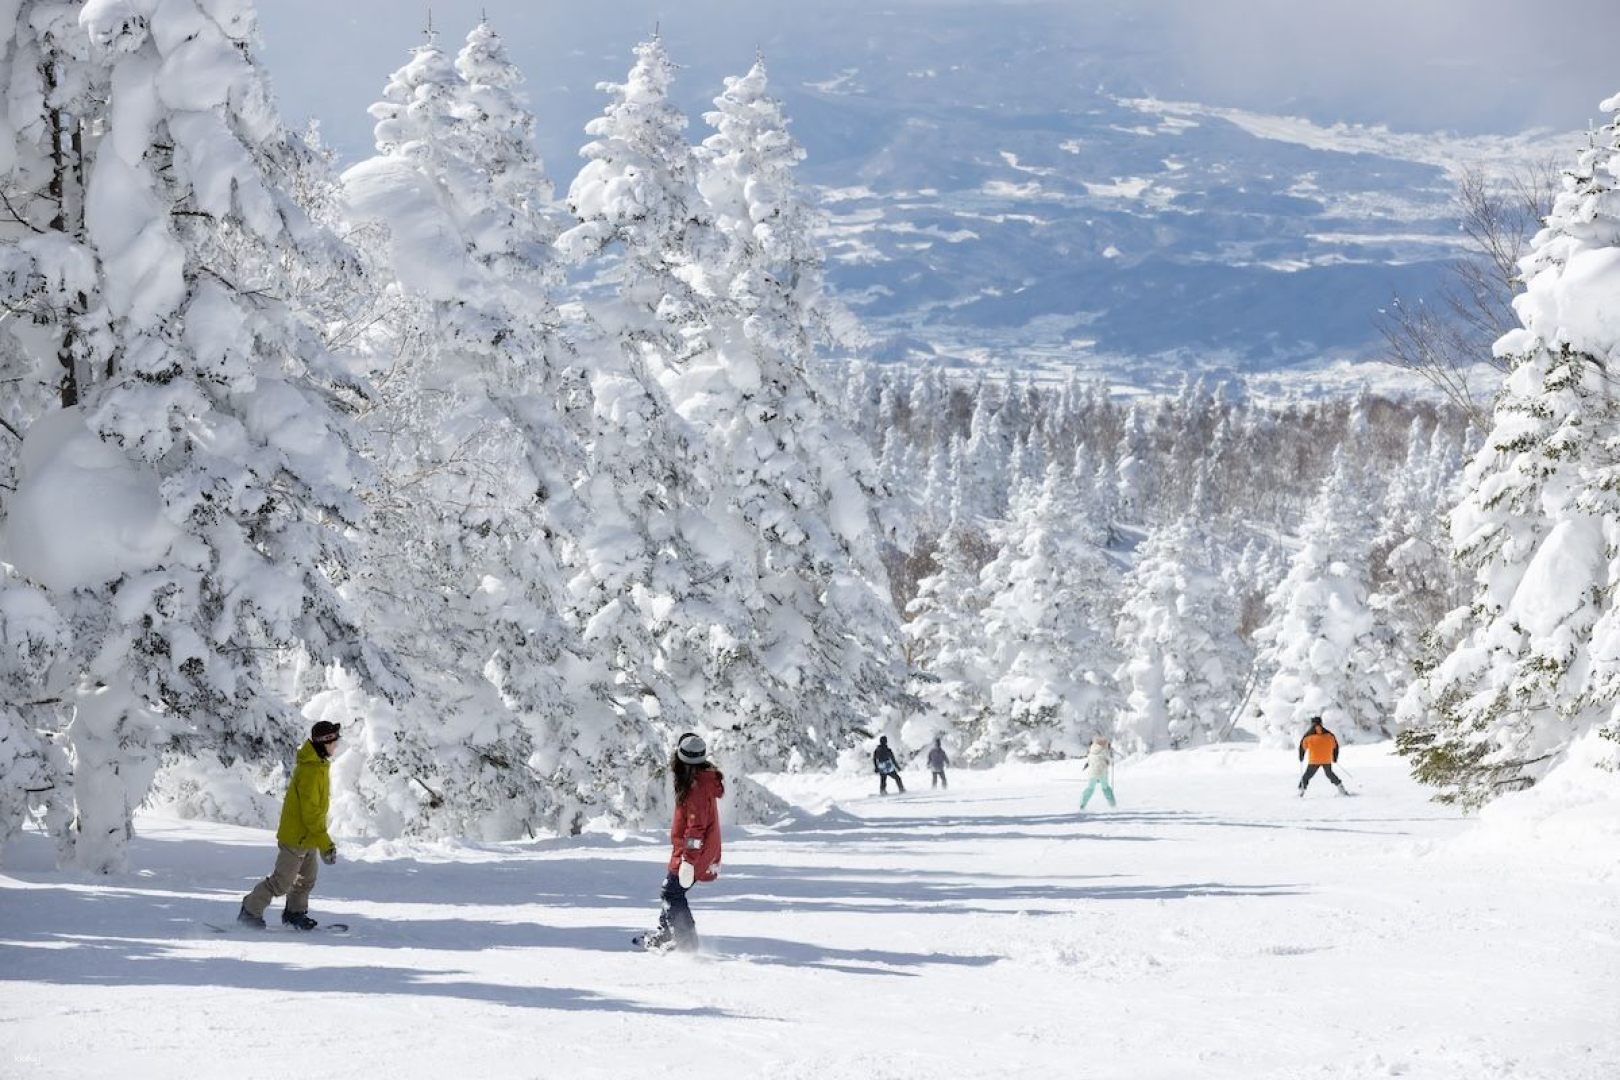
937, 760
1319, 749
301, 837
887, 768
694, 840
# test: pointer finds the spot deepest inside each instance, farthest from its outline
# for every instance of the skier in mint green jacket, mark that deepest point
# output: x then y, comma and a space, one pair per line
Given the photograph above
1099, 771
301, 837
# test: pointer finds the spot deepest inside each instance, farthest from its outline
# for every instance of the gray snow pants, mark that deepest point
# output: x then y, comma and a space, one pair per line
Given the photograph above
293, 877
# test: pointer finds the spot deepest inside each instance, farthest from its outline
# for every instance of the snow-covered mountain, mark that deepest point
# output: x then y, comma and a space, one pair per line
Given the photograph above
1032, 181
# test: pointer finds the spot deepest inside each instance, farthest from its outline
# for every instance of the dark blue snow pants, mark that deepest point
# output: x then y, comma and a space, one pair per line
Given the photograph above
675, 921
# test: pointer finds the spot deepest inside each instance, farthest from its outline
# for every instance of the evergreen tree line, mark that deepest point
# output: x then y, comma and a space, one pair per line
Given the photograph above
1165, 571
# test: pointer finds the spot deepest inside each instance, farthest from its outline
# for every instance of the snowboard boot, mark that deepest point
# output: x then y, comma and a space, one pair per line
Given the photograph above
658, 941
249, 920
298, 920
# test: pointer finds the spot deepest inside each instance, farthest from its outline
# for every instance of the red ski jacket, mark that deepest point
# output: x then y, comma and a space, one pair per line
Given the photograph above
694, 835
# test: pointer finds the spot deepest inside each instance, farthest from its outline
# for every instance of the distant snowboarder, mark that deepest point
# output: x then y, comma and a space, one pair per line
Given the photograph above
1319, 748
1099, 771
694, 838
887, 768
937, 760
301, 836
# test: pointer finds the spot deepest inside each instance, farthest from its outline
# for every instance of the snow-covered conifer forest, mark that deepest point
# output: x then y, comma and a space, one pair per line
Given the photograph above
521, 478
517, 475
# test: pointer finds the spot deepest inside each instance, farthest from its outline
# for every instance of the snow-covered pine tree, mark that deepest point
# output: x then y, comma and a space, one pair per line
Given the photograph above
209, 404
453, 501
1415, 579
926, 405
1534, 663
823, 657
48, 309
1094, 497
1251, 578
981, 471
34, 772
637, 195
945, 639
654, 588
1136, 470
601, 753
480, 443
1190, 428
48, 280
1177, 631
498, 136
1050, 593
1322, 653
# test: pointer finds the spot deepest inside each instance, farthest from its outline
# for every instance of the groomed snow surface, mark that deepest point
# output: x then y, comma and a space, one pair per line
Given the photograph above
1212, 926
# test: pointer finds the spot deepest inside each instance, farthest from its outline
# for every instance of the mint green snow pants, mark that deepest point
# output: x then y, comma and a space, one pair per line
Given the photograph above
1108, 792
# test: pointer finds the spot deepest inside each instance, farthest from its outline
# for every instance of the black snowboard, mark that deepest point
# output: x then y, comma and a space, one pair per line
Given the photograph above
276, 928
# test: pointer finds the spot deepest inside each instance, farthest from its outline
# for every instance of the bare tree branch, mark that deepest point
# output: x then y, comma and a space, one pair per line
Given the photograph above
1447, 342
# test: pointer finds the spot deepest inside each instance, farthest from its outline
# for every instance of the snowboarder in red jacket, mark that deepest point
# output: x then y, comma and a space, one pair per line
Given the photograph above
694, 838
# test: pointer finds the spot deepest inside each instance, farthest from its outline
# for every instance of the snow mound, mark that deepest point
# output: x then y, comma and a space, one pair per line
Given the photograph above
748, 802
799, 819
1573, 814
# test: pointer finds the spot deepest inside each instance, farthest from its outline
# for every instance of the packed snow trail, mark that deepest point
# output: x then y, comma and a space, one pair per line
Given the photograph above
1214, 926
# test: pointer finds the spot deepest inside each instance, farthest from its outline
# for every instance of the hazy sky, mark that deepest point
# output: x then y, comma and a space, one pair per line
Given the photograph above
1480, 65
1474, 66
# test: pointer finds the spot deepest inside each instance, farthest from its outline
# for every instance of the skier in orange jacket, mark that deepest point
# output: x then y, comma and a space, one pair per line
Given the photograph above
1319, 749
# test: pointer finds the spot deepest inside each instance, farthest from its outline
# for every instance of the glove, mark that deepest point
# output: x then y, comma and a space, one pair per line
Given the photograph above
712, 873
686, 875
329, 856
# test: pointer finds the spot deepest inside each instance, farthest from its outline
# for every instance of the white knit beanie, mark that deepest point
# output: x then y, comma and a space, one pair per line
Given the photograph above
691, 749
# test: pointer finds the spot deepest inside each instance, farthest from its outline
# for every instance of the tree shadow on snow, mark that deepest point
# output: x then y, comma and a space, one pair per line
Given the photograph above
802, 954
962, 827
111, 930
72, 937
1340, 825
907, 892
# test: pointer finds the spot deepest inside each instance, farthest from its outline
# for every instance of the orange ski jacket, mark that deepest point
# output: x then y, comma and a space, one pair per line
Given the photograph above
1321, 748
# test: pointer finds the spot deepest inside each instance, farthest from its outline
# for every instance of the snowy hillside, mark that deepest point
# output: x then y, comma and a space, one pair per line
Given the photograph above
1212, 926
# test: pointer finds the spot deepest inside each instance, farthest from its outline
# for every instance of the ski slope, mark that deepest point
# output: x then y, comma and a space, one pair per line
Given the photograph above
1212, 926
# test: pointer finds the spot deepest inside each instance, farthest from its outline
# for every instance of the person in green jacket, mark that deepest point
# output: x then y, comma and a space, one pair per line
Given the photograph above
302, 836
